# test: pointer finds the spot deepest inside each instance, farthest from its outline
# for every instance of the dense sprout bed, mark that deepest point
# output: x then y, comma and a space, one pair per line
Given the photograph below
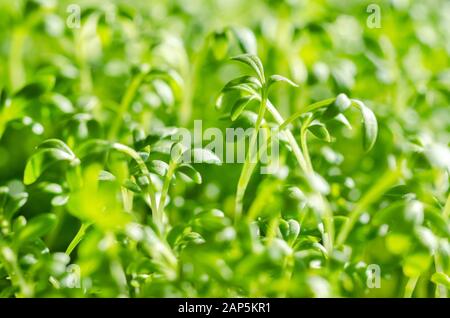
101, 197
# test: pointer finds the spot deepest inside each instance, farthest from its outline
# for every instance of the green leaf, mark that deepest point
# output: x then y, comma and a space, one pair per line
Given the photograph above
200, 155
56, 144
343, 120
246, 39
370, 125
37, 227
398, 243
36, 89
61, 102
294, 230
278, 78
3, 97
94, 147
132, 186
220, 45
426, 238
14, 203
106, 176
4, 195
159, 167
171, 77
319, 130
164, 92
190, 172
340, 105
438, 155
234, 84
240, 105
441, 279
416, 264
247, 119
254, 62
43, 160
212, 220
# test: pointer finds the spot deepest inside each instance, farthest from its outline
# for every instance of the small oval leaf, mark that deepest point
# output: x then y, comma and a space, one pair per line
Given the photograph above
254, 62
41, 161
370, 125
246, 39
340, 105
319, 130
190, 172
240, 105
200, 155
278, 78
37, 227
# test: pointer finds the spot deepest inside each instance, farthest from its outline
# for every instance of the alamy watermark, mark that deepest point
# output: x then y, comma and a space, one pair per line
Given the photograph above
374, 19
373, 274
74, 17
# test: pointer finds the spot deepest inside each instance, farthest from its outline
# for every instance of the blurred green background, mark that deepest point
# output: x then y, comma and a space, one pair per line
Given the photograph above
393, 55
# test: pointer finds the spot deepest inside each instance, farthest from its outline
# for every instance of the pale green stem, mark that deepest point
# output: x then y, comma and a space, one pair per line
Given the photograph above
441, 290
78, 237
304, 144
192, 74
288, 134
149, 195
250, 160
159, 213
125, 104
410, 286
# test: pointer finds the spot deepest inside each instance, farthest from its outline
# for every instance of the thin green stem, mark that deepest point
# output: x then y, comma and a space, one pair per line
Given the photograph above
125, 104
304, 144
410, 286
307, 169
149, 192
307, 109
250, 160
384, 183
192, 73
441, 290
159, 215
288, 134
78, 237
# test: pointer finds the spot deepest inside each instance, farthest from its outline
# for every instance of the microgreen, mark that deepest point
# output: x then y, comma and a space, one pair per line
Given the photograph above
320, 168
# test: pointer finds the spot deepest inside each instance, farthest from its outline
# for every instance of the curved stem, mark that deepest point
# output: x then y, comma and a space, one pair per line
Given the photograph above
149, 194
192, 73
288, 134
307, 169
410, 286
159, 213
250, 159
